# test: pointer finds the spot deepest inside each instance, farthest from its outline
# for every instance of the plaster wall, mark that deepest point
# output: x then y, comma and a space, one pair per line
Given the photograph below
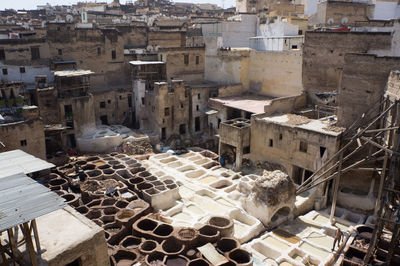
14, 73
275, 73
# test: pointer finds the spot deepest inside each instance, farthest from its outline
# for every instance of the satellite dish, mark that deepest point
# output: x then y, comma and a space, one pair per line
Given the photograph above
157, 48
69, 18
123, 17
345, 20
150, 48
330, 21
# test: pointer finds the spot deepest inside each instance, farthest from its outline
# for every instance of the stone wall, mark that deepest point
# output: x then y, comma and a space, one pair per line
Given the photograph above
285, 148
167, 108
166, 39
363, 84
99, 50
324, 52
26, 135
118, 106
176, 66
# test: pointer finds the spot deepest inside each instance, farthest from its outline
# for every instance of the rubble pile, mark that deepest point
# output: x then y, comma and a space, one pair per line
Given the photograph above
140, 147
270, 198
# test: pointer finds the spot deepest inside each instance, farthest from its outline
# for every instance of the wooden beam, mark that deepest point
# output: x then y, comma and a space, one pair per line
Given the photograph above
36, 235
29, 245
336, 188
380, 146
366, 160
359, 134
381, 130
381, 183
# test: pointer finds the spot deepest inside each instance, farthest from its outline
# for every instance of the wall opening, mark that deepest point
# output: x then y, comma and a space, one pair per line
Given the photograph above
197, 124
163, 133
104, 120
182, 129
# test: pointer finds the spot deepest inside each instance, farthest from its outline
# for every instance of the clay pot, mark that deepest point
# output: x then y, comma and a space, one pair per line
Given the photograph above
163, 231
136, 170
241, 257
124, 257
82, 210
145, 225
108, 171
108, 202
93, 214
125, 175
208, 234
58, 184
88, 167
227, 244
71, 199
148, 247
130, 242
125, 216
93, 203
116, 231
156, 258
172, 247
94, 173
222, 224
187, 236
121, 204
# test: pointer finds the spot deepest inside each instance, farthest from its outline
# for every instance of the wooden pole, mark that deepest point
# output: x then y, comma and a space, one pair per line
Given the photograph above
36, 235
336, 188
29, 244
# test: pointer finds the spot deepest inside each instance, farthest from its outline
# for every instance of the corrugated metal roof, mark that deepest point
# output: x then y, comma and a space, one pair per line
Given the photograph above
23, 199
17, 161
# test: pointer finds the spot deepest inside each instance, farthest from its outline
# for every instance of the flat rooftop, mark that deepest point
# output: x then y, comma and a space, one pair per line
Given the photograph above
324, 126
249, 103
